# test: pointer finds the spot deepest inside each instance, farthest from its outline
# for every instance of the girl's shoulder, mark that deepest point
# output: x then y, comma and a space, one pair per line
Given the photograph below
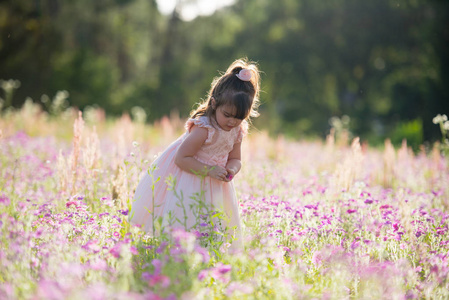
202, 122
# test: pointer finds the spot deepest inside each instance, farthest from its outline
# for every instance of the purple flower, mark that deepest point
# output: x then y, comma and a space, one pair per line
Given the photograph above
123, 211
396, 227
204, 253
157, 264
437, 193
317, 258
116, 250
92, 245
161, 248
368, 201
441, 231
310, 206
146, 276
160, 280
223, 269
117, 218
77, 204
4, 200
350, 211
134, 250
203, 274
221, 272
21, 206
355, 245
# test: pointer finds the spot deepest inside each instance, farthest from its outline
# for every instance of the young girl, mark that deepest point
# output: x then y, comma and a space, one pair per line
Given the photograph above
197, 169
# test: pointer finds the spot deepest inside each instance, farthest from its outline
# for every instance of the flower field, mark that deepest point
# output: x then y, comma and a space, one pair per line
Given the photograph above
321, 220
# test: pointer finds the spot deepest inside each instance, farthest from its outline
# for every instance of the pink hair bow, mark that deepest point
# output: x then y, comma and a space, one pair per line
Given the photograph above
244, 75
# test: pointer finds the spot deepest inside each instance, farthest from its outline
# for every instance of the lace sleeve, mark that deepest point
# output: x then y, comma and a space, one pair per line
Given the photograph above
204, 123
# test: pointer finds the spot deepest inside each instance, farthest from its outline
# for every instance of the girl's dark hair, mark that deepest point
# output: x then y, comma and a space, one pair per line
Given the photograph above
228, 89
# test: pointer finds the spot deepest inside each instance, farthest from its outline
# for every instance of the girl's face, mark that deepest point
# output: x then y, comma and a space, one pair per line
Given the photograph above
225, 117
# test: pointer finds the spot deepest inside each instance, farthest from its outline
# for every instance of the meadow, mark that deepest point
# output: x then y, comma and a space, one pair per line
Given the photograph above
333, 219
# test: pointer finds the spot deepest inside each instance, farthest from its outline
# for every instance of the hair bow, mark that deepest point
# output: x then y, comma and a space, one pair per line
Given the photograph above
244, 75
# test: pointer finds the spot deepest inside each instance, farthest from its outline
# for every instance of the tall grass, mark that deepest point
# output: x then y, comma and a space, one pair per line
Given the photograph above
320, 219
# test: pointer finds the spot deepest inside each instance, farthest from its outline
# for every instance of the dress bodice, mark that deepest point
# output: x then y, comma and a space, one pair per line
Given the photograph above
219, 142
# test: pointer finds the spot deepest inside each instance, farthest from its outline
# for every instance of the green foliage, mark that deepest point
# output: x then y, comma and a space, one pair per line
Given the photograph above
411, 131
380, 62
91, 77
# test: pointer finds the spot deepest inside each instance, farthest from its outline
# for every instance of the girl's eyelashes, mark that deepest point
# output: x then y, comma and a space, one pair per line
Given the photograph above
226, 114
231, 116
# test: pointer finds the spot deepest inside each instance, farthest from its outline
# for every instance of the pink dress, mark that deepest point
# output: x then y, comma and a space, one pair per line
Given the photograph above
177, 204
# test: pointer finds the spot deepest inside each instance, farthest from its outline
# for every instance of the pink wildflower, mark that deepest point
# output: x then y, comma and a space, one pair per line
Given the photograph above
355, 245
203, 274
396, 227
4, 200
238, 287
134, 250
317, 258
161, 280
116, 250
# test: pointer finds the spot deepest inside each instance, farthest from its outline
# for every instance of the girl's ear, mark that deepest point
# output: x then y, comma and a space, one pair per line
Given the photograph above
213, 103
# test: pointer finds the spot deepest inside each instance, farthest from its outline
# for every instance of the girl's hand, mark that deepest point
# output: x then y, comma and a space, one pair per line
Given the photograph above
231, 173
218, 172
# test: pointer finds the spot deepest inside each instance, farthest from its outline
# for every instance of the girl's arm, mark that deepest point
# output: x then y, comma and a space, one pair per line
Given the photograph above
234, 160
190, 146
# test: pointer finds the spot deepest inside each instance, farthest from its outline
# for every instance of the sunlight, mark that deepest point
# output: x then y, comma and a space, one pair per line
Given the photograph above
191, 9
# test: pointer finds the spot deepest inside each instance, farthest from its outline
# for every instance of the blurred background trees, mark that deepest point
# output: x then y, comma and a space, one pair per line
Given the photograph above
383, 63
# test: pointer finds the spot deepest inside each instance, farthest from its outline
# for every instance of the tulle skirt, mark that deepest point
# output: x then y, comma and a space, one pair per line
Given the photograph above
177, 198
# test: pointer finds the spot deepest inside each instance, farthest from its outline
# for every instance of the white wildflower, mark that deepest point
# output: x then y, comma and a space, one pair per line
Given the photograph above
345, 120
359, 184
446, 126
436, 119
135, 144
439, 119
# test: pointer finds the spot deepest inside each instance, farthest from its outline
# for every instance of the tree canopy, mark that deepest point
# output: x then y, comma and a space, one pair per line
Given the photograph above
382, 63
